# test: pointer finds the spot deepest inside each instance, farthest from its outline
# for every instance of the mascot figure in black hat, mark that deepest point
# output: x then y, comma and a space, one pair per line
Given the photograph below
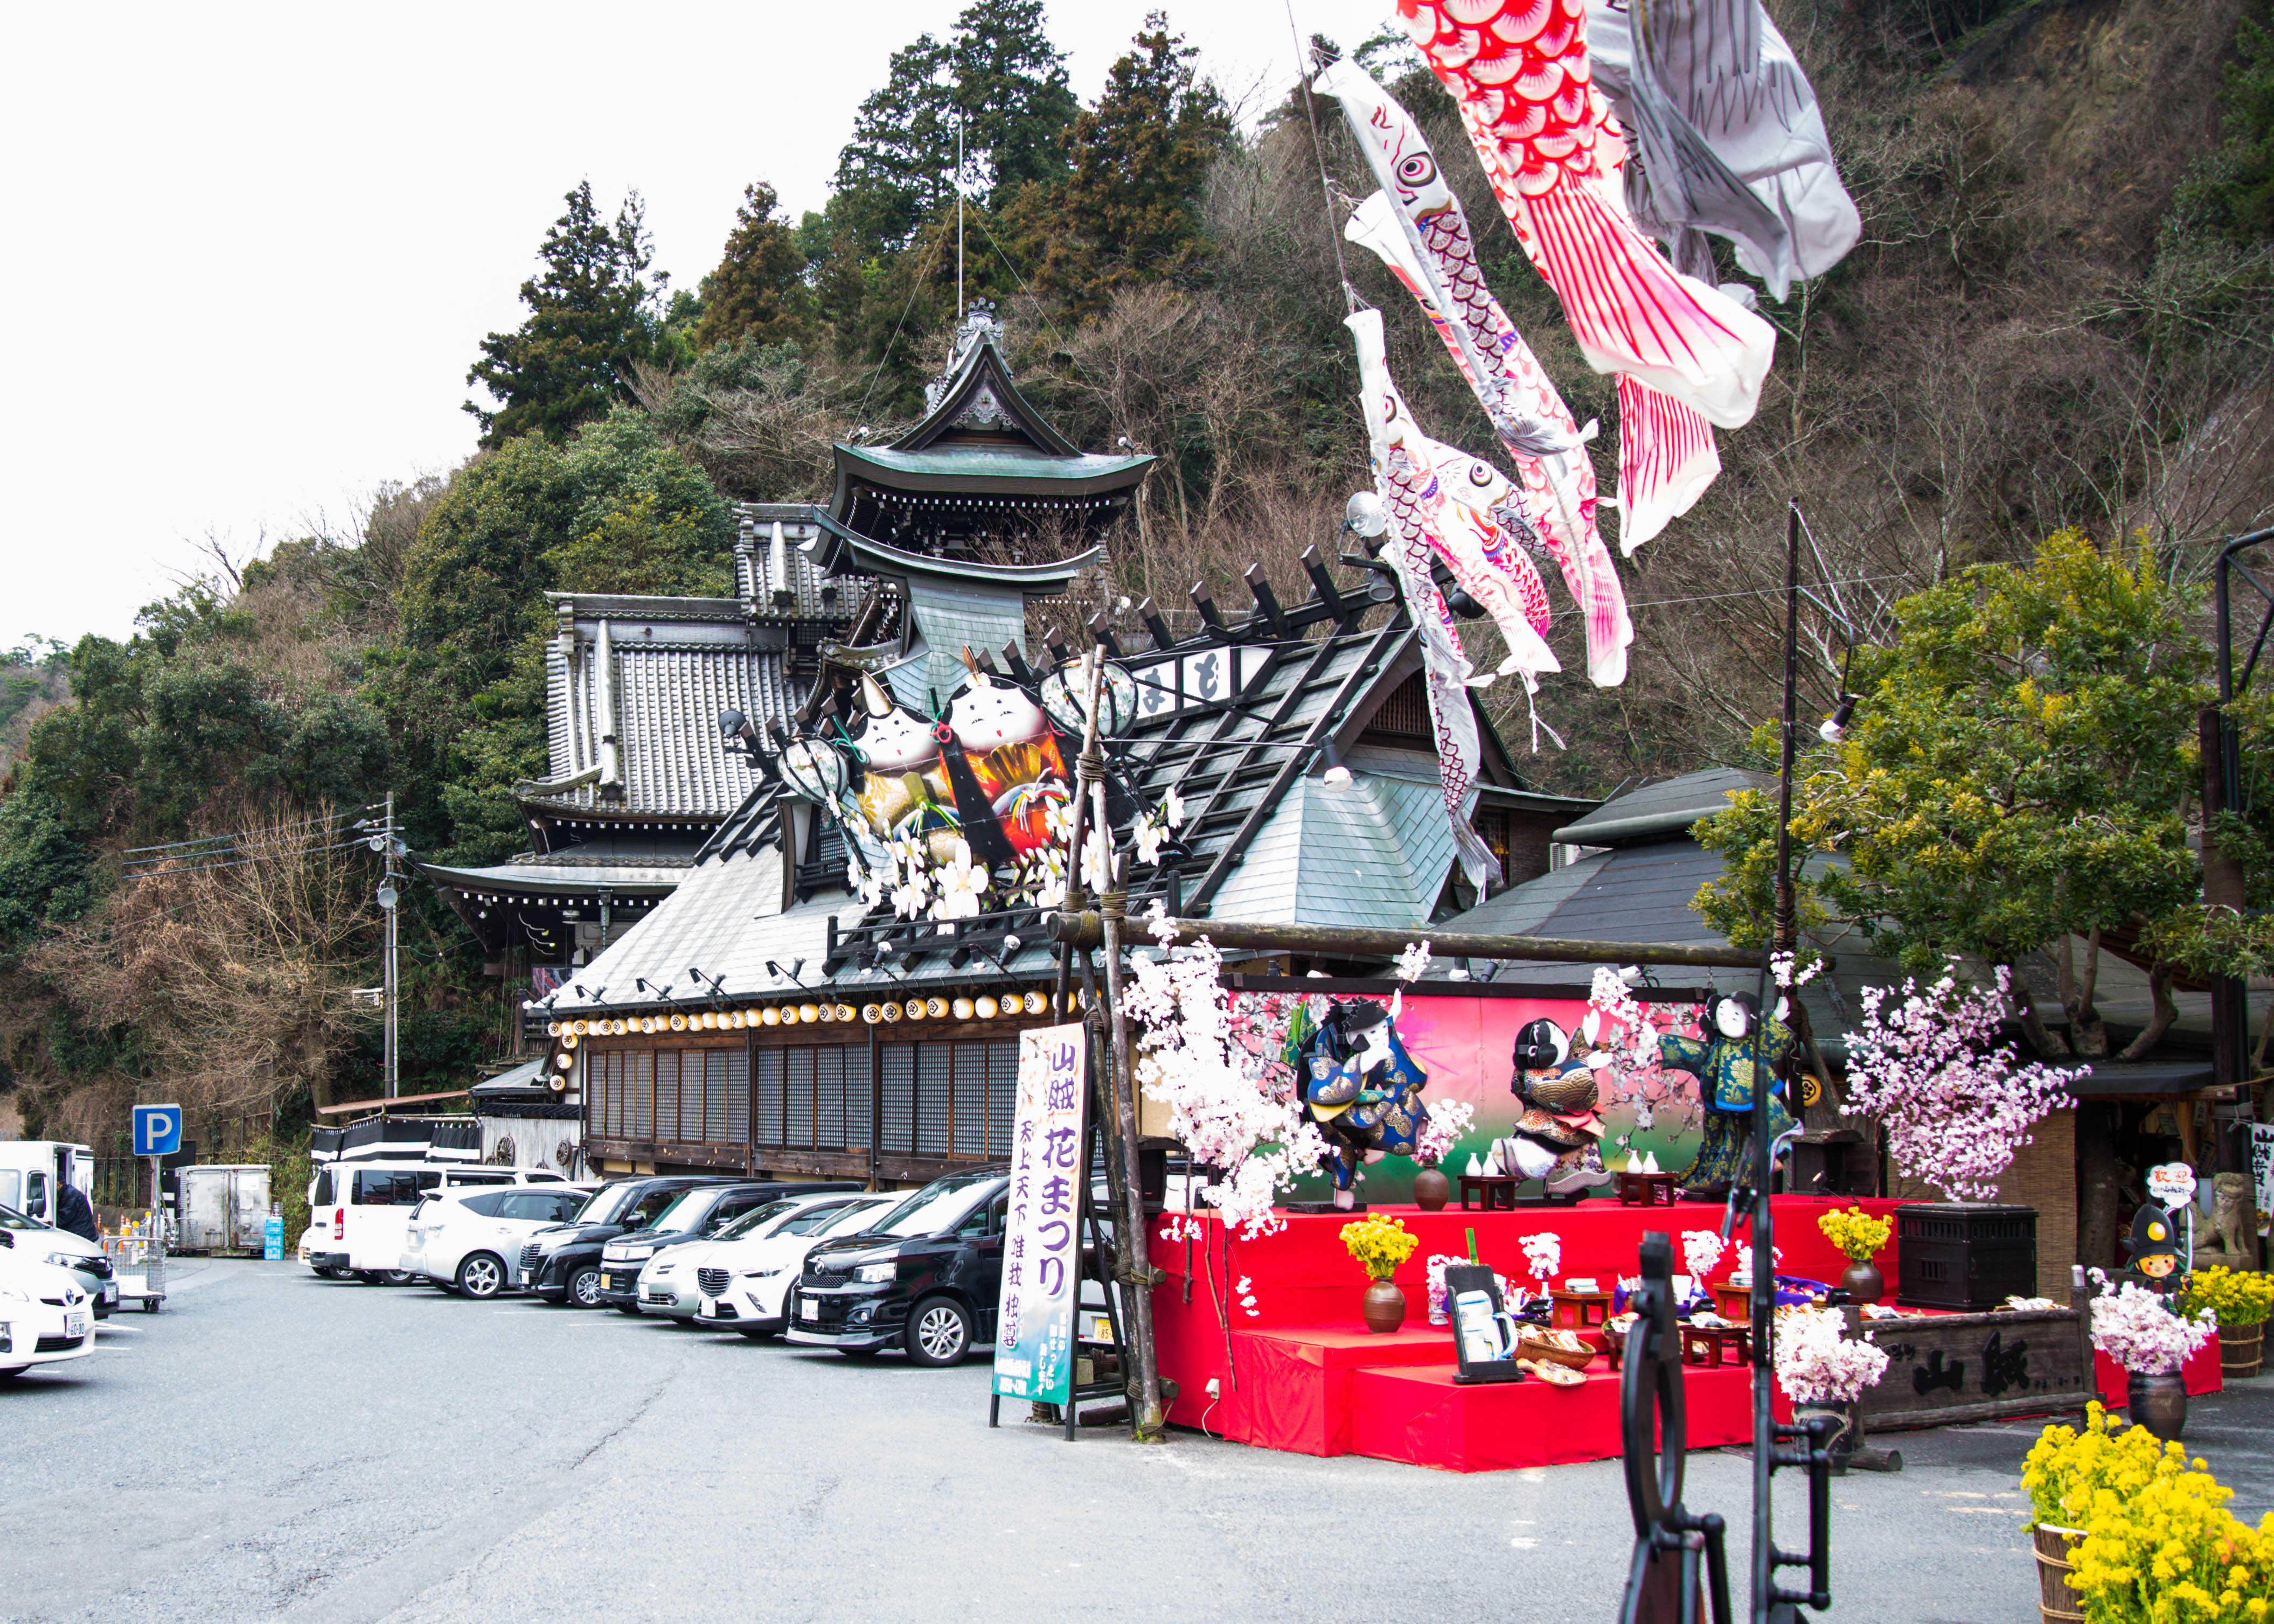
2156, 1255
1363, 1090
1723, 1061
1558, 1138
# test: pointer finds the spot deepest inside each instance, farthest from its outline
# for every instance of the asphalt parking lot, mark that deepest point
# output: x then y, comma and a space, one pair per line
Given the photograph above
276, 1447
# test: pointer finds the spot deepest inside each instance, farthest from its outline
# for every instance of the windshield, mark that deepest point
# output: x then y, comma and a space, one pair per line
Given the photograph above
670, 1210
11, 1219
750, 1223
934, 1207
604, 1204
852, 1220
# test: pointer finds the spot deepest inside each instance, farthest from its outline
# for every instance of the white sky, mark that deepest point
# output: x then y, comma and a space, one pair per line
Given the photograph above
256, 245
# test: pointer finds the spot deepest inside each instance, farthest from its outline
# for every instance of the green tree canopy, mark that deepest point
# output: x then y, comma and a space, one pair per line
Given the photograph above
2021, 769
758, 290
590, 315
1130, 210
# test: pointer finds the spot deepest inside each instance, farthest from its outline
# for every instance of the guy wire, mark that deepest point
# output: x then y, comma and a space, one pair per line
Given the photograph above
1319, 152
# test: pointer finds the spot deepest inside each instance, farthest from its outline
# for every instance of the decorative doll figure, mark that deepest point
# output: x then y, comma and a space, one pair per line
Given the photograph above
2156, 1255
1723, 1063
1367, 1103
1558, 1138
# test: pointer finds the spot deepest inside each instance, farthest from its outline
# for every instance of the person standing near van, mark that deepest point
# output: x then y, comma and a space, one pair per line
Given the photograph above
75, 1213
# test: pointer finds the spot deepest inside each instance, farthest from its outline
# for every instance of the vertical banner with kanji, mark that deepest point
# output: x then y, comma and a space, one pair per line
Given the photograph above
1042, 1257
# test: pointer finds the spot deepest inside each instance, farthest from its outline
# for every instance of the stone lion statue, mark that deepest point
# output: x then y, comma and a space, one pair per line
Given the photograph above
2234, 1216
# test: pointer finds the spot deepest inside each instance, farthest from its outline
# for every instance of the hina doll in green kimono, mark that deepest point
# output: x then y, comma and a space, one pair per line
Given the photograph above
1363, 1091
1724, 1063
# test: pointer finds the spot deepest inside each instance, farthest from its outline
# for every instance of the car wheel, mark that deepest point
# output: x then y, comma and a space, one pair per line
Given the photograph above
939, 1332
369, 1277
396, 1277
584, 1287
328, 1273
481, 1275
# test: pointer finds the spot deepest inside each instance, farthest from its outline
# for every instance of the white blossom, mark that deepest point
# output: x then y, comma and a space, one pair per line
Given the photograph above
1413, 963
912, 886
1956, 1103
2133, 1327
1150, 835
1701, 1250
1172, 809
1817, 1363
961, 883
1448, 1119
1543, 1255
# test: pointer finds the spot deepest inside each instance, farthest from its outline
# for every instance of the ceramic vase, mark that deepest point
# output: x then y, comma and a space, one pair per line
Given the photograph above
1863, 1281
1431, 1189
2158, 1403
1840, 1439
1384, 1306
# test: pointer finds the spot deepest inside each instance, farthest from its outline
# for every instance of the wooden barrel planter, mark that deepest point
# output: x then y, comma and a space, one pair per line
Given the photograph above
2057, 1603
2241, 1349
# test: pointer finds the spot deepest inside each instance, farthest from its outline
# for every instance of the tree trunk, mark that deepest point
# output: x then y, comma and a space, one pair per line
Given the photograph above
2076, 994
2043, 1039
2096, 1184
2159, 987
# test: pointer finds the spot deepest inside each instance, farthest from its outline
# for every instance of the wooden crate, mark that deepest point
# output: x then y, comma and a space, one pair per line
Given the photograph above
1970, 1367
1951, 1255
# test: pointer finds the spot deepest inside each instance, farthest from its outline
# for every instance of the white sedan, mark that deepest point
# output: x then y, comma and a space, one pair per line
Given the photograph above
45, 1316
743, 1284
466, 1240
667, 1285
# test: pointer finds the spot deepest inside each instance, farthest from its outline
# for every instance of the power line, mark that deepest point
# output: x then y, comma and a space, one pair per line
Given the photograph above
897, 325
276, 829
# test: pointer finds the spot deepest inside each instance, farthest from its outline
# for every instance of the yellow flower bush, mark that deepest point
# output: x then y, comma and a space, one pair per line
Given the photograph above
2236, 1299
1856, 1232
2159, 1545
1380, 1244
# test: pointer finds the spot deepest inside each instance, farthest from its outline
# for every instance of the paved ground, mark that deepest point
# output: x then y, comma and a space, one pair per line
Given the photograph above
275, 1447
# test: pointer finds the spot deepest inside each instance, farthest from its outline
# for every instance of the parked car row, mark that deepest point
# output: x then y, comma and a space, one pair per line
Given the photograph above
825, 1265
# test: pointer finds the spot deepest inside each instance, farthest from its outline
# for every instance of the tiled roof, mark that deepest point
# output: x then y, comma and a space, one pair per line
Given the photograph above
1662, 810
956, 464
670, 689
760, 568
1373, 852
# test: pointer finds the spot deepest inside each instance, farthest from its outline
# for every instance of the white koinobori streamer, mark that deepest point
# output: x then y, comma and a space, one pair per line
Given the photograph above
1410, 492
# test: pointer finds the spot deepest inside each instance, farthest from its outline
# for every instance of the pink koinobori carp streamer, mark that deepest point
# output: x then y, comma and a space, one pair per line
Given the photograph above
1551, 149
1520, 396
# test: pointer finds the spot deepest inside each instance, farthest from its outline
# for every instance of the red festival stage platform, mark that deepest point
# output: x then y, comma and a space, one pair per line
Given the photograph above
1274, 1322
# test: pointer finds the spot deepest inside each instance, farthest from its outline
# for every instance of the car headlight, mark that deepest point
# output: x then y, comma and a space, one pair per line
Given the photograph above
10, 1294
66, 1259
876, 1273
760, 1274
633, 1254
661, 1269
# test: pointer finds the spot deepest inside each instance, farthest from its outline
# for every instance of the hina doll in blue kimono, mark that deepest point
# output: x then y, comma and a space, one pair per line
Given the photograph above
1723, 1062
1363, 1091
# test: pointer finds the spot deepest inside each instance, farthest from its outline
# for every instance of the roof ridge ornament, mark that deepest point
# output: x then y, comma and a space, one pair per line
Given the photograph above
980, 325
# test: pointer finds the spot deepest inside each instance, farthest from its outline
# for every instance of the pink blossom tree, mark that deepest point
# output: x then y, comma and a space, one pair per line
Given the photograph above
1956, 1102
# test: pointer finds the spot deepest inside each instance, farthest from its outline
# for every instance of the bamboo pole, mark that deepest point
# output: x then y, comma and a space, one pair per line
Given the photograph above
1086, 930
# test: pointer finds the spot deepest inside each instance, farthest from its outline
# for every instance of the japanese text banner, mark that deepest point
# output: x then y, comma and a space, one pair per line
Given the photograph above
1042, 1257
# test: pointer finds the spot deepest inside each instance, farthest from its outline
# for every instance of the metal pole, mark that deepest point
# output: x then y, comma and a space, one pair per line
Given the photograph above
1763, 1276
393, 937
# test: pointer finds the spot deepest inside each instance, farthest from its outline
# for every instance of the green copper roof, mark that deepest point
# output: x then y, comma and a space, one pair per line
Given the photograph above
959, 464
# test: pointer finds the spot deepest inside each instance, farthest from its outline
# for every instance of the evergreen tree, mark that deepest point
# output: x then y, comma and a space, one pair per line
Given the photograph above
997, 78
1129, 212
590, 316
758, 291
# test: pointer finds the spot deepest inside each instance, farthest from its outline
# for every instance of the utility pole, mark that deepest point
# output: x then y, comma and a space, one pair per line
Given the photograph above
389, 847
959, 216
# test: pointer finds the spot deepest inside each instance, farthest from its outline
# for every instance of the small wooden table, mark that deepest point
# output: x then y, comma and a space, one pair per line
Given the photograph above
1649, 1189
1734, 1303
1705, 1344
1490, 1192
1579, 1311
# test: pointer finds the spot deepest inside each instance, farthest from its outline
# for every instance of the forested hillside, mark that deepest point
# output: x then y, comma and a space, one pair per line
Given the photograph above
2059, 316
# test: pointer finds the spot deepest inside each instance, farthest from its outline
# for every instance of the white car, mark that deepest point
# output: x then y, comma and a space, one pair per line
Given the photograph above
45, 1316
666, 1284
359, 1210
466, 1240
744, 1284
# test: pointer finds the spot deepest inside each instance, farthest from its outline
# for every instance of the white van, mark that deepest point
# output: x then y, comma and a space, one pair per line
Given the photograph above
358, 1211
32, 1171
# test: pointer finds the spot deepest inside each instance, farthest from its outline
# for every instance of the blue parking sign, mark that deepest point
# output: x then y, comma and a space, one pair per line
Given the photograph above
157, 1129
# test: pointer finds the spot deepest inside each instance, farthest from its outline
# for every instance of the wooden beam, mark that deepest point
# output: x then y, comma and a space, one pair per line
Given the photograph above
1087, 930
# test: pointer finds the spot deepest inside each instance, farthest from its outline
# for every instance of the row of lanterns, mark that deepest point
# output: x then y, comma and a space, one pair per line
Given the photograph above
985, 1007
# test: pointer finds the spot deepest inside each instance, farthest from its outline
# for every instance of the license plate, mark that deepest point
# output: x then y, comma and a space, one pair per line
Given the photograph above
74, 1326
608, 1283
110, 1291
706, 1309
806, 1315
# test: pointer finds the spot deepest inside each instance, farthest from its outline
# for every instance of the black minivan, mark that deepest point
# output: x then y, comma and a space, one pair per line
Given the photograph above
926, 1276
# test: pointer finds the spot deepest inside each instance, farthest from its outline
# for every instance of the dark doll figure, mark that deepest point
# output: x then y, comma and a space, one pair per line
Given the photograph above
1367, 1104
983, 832
1557, 1140
1724, 1061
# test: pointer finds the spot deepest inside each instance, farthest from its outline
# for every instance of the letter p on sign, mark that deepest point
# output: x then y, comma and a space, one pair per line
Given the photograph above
157, 1129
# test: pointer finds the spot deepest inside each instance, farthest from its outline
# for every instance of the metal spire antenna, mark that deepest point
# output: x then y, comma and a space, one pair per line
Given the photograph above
959, 215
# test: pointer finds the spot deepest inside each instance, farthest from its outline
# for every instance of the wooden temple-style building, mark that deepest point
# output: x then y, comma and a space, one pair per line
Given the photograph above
762, 1012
